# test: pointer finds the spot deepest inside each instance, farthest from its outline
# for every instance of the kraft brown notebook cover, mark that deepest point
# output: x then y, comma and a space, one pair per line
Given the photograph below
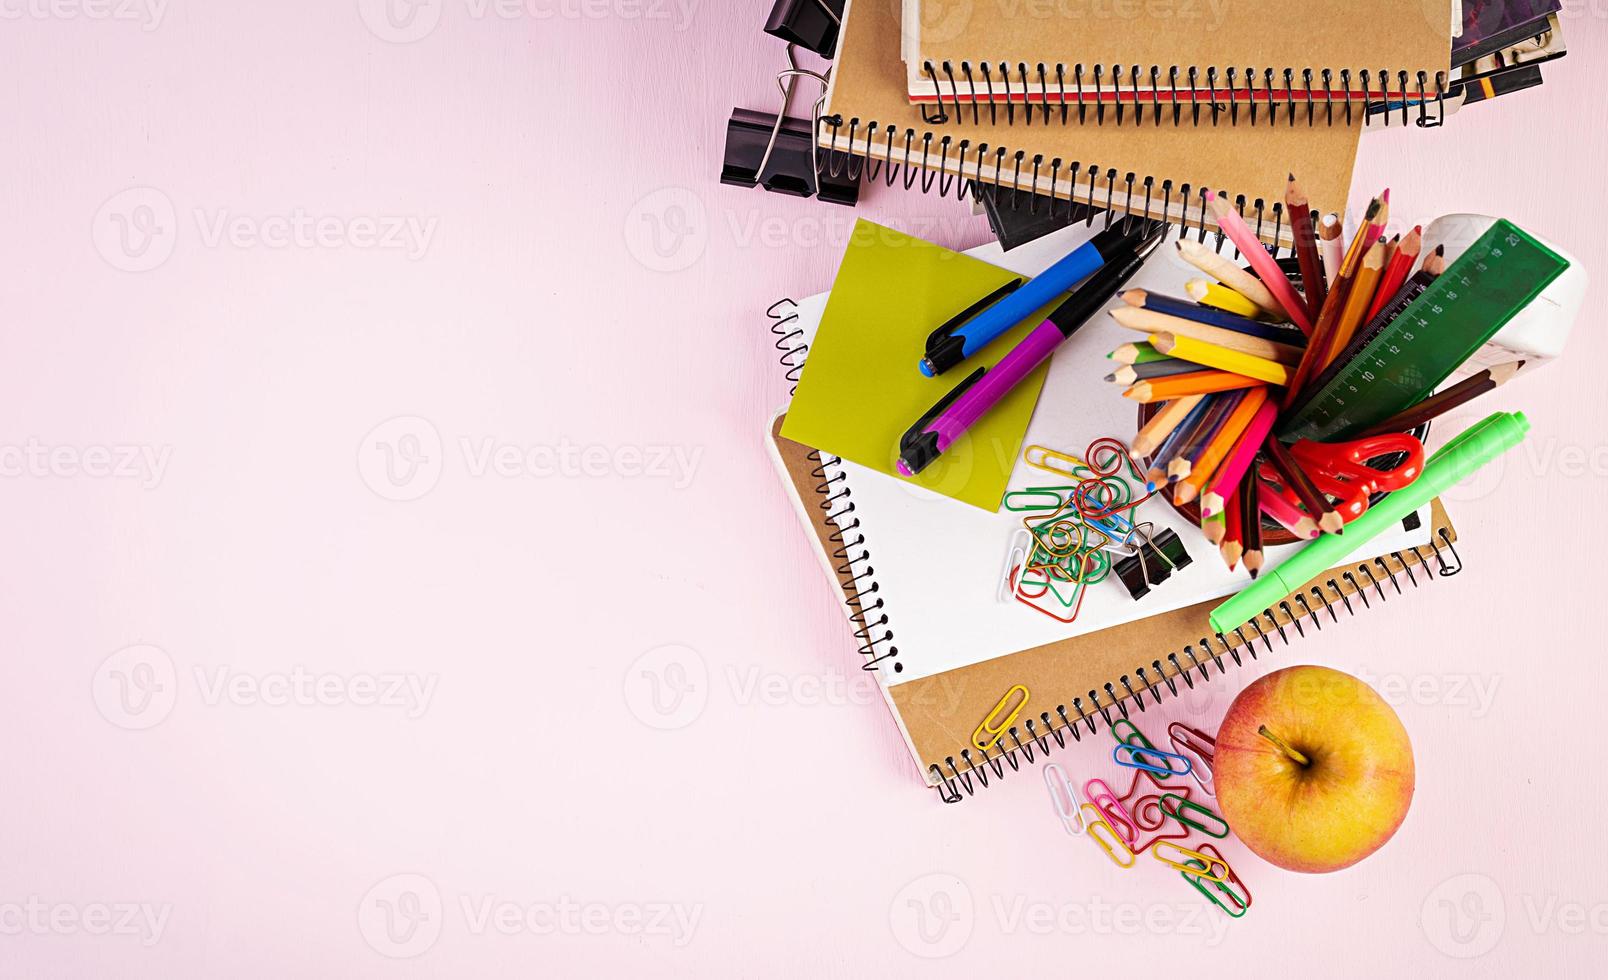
1079, 684
1367, 47
1159, 172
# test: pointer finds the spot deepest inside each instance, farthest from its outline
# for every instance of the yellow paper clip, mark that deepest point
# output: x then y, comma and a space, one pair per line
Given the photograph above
998, 721
1054, 461
1114, 846
1202, 869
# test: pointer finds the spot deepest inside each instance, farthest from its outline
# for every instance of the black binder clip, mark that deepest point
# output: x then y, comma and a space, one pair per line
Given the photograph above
917, 447
1157, 559
778, 153
810, 24
1019, 222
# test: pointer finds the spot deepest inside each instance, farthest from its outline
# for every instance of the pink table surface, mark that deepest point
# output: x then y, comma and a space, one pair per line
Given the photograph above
394, 584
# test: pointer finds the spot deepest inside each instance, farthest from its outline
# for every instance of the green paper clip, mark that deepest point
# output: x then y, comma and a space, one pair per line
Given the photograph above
1211, 889
1183, 804
1036, 498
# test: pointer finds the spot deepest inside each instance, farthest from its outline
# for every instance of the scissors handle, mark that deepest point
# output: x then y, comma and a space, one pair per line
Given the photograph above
1348, 461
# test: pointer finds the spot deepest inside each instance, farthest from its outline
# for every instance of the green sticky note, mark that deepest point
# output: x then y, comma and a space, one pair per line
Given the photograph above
861, 388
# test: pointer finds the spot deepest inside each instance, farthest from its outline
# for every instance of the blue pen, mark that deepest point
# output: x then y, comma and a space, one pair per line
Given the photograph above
971, 331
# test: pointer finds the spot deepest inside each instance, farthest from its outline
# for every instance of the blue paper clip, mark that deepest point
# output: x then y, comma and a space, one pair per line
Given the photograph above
1177, 813
1133, 756
1127, 733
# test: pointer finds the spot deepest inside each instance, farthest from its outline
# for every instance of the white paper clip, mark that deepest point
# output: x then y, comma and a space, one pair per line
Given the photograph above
1015, 557
1064, 797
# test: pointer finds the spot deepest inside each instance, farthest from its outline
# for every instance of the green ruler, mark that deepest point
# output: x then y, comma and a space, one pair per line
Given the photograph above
1473, 299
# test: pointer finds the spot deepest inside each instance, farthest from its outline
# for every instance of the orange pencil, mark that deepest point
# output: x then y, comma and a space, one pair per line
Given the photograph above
1162, 424
1358, 300
1182, 385
1217, 450
1397, 270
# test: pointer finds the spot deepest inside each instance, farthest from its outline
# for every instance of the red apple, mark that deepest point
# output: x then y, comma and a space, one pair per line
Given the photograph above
1314, 770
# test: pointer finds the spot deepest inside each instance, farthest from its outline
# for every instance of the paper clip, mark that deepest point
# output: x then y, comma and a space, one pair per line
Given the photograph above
1127, 733
1111, 809
1132, 757
1194, 742
1138, 806
1064, 797
1015, 557
1203, 868
1177, 813
1240, 900
1055, 588
998, 721
1054, 461
1036, 498
1109, 842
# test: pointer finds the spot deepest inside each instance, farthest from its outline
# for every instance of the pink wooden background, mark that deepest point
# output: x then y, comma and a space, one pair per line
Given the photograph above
394, 584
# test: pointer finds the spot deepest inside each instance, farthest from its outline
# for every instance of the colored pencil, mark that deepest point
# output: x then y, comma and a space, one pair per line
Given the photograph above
1152, 322
1358, 299
1233, 544
1162, 424
1302, 218
1218, 296
1328, 319
1230, 275
1156, 475
1397, 270
1183, 309
1193, 383
1266, 267
1289, 517
1213, 529
1413, 288
1204, 467
1221, 358
1437, 405
1250, 507
1136, 354
1183, 463
1293, 476
1227, 479
1129, 373
1330, 248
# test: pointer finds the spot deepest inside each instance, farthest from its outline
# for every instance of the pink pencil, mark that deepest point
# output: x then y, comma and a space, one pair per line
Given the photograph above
1292, 518
1228, 478
1262, 263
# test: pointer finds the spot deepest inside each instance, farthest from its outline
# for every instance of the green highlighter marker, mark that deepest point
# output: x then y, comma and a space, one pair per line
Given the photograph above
1455, 462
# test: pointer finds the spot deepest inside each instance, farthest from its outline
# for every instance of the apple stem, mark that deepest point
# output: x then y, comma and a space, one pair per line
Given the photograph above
1282, 744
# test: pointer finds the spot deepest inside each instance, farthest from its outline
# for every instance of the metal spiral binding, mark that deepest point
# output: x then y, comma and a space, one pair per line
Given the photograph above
1032, 94
971, 772
908, 159
851, 559
784, 319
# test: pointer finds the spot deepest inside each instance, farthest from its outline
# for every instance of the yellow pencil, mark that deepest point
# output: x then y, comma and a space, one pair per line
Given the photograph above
1221, 358
1208, 293
1149, 321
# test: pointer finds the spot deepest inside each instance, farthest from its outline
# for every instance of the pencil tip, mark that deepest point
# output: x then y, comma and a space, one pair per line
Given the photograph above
1440, 250
1253, 573
1292, 176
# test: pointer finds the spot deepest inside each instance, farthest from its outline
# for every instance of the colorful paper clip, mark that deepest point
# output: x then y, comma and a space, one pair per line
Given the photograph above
1127, 733
1204, 869
1037, 499
1130, 755
1109, 841
1238, 902
1015, 558
1054, 461
1064, 797
1180, 805
1201, 747
999, 721
1111, 808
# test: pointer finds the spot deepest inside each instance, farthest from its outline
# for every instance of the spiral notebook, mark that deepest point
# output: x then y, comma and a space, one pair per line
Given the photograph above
918, 574
1266, 61
865, 125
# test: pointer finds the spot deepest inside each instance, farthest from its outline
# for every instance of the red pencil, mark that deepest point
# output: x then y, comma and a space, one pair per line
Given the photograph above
1396, 273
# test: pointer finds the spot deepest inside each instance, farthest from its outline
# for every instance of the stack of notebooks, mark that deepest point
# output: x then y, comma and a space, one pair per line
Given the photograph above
1144, 113
920, 562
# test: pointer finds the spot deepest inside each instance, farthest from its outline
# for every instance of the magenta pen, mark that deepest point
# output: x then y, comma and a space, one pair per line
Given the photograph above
974, 397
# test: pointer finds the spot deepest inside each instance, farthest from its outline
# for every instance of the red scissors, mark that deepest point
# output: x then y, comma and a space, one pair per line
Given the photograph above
1341, 471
